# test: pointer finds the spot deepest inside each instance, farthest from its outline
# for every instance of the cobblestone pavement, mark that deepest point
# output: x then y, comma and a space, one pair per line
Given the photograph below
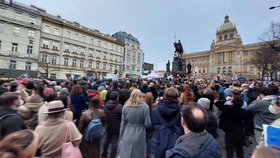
247, 150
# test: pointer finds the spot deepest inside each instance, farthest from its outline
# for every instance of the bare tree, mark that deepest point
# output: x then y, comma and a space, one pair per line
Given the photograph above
271, 36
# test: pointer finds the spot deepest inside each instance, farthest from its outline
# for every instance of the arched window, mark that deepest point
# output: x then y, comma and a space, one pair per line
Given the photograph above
203, 71
225, 37
224, 70
231, 36
218, 70
220, 38
199, 71
230, 70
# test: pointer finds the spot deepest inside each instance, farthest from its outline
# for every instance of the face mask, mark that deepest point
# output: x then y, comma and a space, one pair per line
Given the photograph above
272, 110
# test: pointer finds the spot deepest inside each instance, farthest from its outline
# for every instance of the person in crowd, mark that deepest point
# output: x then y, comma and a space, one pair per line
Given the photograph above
252, 92
150, 100
52, 133
13, 86
266, 152
10, 120
233, 124
125, 93
209, 94
42, 115
78, 101
21, 144
160, 96
66, 102
245, 88
135, 120
275, 108
144, 87
91, 149
102, 91
153, 90
133, 86
196, 142
212, 125
187, 95
262, 111
93, 92
166, 116
113, 111
115, 87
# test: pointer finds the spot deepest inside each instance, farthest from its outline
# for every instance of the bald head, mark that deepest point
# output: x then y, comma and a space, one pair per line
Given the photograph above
244, 86
195, 118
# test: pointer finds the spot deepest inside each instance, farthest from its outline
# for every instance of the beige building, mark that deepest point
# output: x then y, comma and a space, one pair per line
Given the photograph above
20, 29
227, 56
70, 50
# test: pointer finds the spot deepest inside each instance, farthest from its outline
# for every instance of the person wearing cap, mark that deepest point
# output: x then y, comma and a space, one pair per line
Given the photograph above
52, 132
212, 124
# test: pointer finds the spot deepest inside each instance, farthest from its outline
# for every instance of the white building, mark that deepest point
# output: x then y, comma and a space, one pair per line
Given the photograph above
133, 54
70, 50
19, 39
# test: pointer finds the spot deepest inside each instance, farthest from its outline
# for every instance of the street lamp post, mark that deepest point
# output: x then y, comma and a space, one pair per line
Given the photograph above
273, 7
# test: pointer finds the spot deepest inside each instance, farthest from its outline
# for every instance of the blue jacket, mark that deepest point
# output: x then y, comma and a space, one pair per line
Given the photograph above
195, 145
78, 103
167, 112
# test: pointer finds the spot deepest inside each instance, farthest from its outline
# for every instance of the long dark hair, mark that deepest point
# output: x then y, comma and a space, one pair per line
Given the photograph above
76, 90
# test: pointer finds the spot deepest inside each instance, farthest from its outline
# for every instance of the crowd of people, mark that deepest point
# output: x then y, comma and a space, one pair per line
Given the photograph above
136, 118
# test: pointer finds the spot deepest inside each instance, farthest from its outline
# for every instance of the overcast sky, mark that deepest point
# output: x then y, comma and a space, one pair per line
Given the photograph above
155, 22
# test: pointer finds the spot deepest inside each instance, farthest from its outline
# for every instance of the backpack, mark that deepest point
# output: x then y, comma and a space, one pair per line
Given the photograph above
95, 128
2, 118
166, 136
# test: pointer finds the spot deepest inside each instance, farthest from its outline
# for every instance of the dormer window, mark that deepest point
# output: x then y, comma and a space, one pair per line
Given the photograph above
225, 37
231, 36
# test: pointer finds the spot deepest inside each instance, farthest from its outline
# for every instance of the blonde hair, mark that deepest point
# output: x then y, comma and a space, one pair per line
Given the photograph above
208, 91
135, 98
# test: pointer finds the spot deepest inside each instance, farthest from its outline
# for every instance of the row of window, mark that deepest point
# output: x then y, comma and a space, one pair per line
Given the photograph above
224, 70
13, 65
14, 47
226, 37
53, 60
132, 68
81, 37
18, 31
205, 58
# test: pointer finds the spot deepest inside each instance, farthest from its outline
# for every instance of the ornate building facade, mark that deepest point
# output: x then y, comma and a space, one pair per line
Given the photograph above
227, 57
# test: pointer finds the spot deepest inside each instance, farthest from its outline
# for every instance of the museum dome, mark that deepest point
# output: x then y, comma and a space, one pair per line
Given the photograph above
227, 25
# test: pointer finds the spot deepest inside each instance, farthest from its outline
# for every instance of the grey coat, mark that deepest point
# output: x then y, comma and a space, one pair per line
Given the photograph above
135, 120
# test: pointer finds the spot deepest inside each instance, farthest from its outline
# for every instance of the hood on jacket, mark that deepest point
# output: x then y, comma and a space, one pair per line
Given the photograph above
92, 93
168, 108
111, 104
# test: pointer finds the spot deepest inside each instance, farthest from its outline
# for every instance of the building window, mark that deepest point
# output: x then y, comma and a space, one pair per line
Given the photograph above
14, 47
83, 38
81, 63
67, 48
44, 58
112, 47
32, 20
82, 51
16, 30
31, 34
104, 66
121, 49
224, 70
45, 44
99, 43
75, 50
138, 68
97, 65
74, 62
225, 37
47, 28
231, 36
218, 70
28, 66
76, 36
111, 67
92, 41
127, 67
68, 34
53, 76
55, 46
133, 68
53, 59
117, 48
90, 64
66, 61
13, 64
90, 54
105, 45
230, 70
29, 49
56, 31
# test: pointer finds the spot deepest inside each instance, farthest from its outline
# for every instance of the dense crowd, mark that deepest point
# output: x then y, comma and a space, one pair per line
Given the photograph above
135, 118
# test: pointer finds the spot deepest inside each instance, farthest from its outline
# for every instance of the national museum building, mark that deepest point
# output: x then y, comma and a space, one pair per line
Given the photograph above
227, 56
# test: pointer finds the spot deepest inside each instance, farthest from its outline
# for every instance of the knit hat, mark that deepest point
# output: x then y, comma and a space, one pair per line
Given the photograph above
204, 102
47, 91
55, 107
